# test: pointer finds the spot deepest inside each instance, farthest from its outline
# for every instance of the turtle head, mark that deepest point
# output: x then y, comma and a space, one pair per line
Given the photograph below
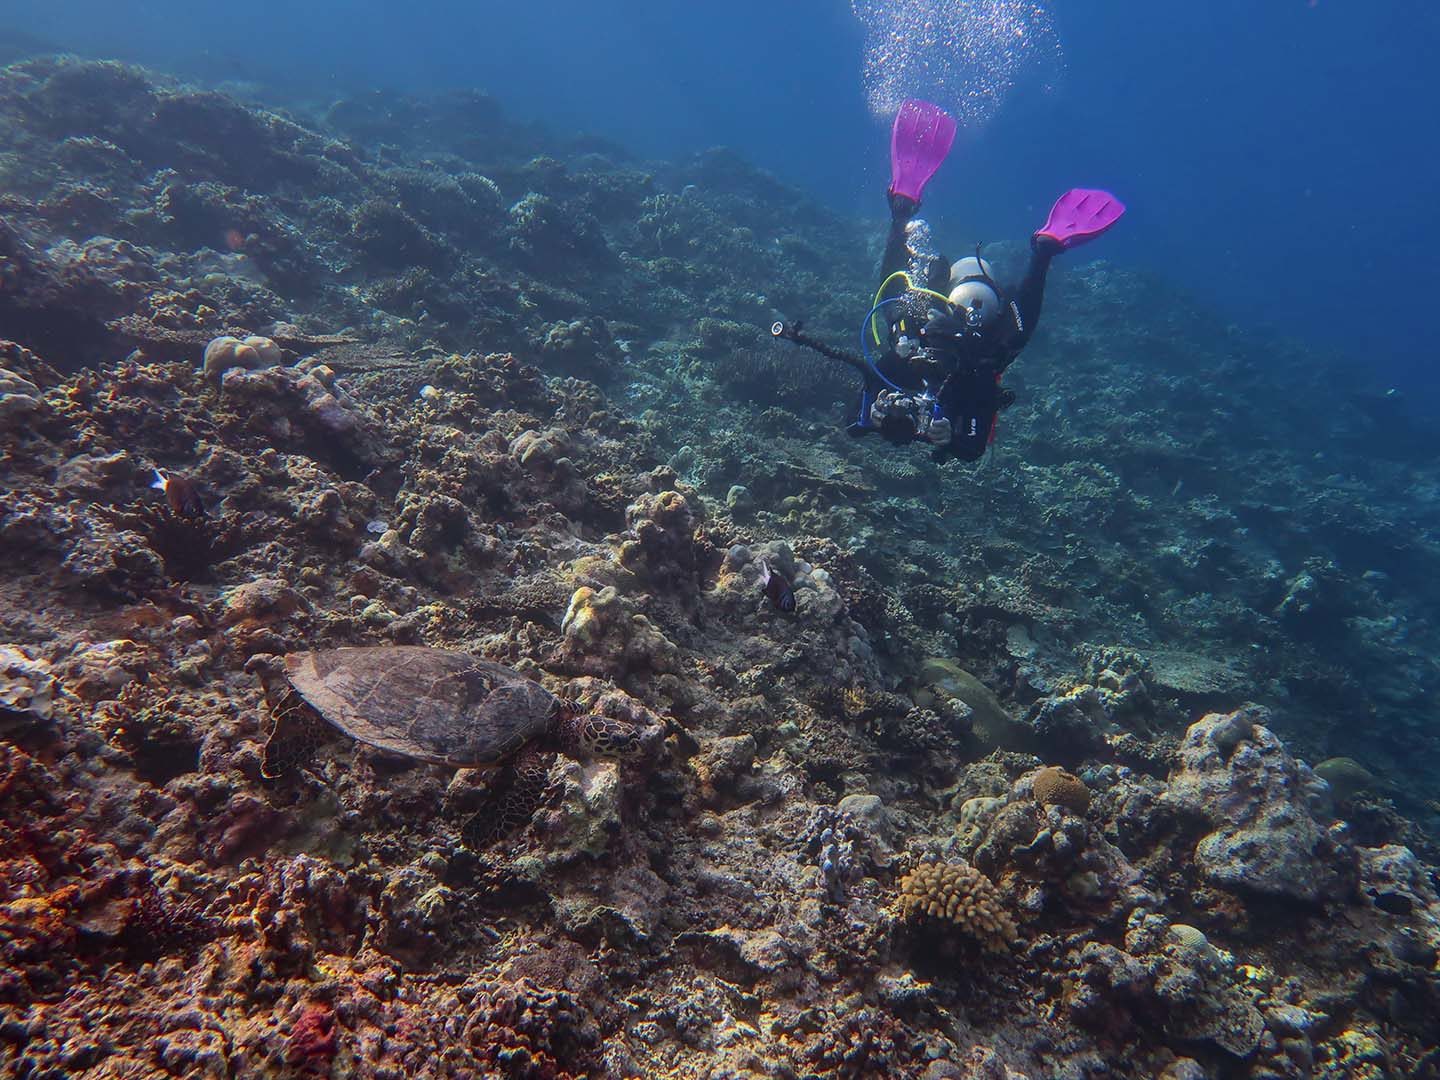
592, 735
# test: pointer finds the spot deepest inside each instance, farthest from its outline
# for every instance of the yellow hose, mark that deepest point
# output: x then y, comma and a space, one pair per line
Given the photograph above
910, 286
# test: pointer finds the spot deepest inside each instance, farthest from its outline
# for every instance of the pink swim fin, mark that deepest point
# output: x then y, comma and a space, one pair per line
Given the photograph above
1080, 215
919, 141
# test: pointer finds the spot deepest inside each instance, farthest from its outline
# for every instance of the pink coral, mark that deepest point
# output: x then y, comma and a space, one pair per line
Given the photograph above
313, 1042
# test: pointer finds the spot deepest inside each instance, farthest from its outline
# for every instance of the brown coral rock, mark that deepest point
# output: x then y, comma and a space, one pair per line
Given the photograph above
1053, 786
261, 600
961, 894
666, 544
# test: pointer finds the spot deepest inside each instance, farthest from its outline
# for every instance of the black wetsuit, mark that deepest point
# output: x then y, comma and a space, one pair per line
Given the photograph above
966, 364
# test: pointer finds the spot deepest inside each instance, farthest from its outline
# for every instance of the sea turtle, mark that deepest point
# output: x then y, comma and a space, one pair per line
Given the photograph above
444, 707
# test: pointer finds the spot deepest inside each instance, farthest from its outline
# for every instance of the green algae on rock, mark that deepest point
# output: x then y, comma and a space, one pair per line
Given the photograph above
1346, 777
992, 723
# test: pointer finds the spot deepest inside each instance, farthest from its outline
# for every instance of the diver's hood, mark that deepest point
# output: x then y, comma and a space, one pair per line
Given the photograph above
972, 289
970, 267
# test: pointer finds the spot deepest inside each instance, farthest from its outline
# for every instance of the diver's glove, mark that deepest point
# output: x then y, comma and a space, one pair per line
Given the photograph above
897, 416
1005, 399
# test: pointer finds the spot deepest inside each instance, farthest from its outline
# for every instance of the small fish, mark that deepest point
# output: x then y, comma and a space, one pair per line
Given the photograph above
180, 494
777, 590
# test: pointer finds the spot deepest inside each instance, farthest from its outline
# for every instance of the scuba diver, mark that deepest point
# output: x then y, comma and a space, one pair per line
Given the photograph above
947, 331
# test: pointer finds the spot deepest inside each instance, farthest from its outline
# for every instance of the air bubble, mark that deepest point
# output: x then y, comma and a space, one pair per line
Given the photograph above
964, 55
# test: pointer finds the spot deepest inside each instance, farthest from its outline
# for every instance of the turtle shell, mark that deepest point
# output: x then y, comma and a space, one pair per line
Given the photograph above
431, 704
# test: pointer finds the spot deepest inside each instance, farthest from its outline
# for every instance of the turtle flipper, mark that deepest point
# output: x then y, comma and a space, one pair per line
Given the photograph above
514, 804
295, 734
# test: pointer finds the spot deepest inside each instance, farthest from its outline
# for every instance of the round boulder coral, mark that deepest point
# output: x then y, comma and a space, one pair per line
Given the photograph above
1053, 786
227, 352
960, 894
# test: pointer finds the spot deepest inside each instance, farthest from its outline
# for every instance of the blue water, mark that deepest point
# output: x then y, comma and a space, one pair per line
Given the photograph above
1278, 156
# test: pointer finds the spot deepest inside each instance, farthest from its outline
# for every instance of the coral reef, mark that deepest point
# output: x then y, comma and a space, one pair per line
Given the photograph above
1016, 787
226, 352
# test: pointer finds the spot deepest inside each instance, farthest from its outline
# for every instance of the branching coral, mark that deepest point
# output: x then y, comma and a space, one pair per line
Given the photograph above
861, 1043
841, 848
189, 547
755, 370
157, 925
959, 893
525, 1030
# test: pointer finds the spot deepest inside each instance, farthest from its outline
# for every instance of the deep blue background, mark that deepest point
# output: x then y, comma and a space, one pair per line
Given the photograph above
1279, 156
